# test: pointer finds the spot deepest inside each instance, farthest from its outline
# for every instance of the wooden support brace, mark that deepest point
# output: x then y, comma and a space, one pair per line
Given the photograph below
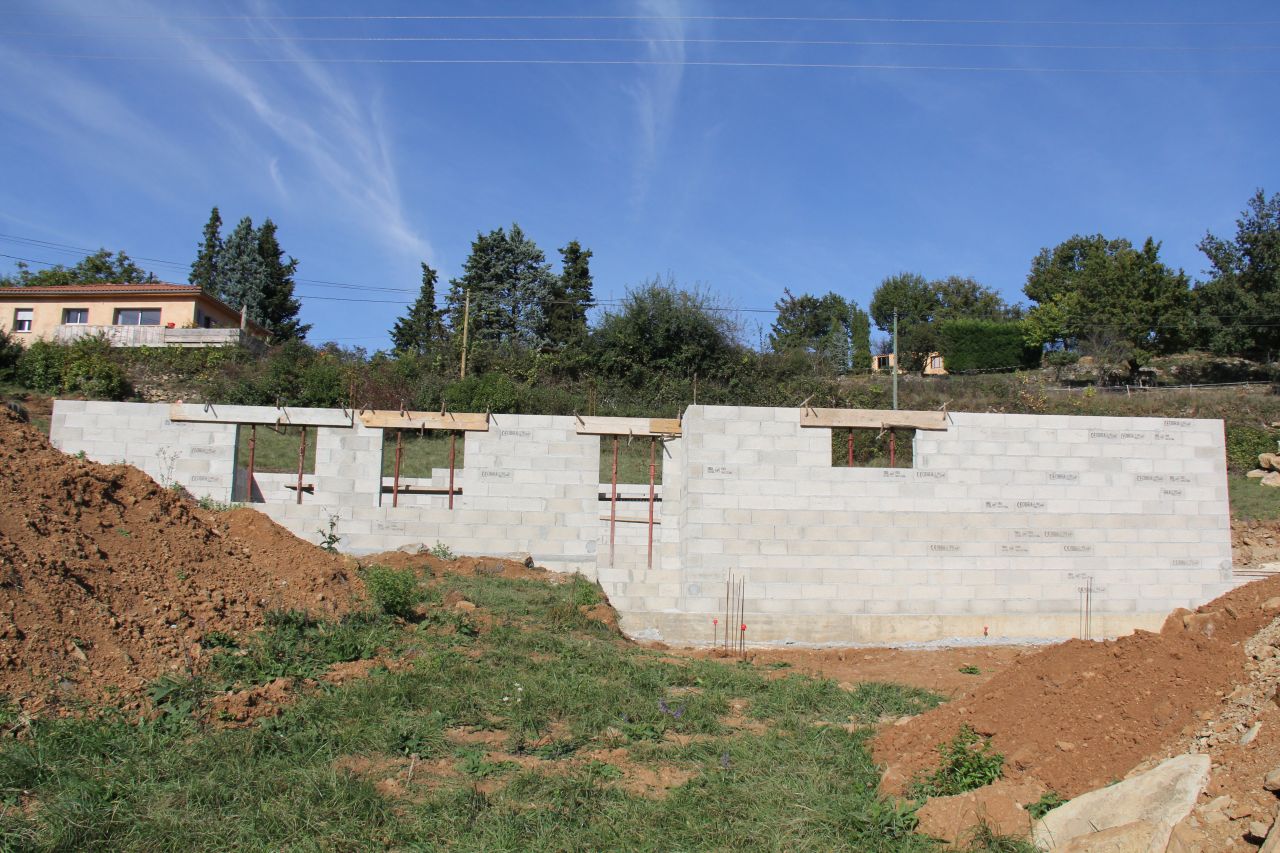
460, 421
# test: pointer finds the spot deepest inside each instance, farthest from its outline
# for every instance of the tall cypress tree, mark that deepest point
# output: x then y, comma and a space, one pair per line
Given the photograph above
860, 338
204, 271
570, 298
421, 330
242, 273
279, 308
510, 283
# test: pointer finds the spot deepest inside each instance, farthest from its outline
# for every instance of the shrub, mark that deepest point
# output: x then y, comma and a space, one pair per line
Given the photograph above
967, 763
492, 392
10, 352
985, 345
88, 369
394, 591
40, 367
1245, 443
1048, 801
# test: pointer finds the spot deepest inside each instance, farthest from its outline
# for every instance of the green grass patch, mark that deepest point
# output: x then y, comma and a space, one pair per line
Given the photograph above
276, 452
421, 452
782, 777
1251, 500
968, 762
633, 460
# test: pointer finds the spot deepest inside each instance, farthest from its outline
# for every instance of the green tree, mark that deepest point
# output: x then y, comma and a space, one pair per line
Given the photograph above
662, 329
279, 309
421, 331
916, 301
102, 267
204, 270
816, 325
1236, 307
1106, 295
860, 339
510, 284
570, 298
243, 278
963, 298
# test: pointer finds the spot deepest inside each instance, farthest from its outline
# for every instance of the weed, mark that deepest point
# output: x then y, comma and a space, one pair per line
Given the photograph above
295, 645
123, 532
394, 591
474, 762
967, 763
1048, 801
81, 455
970, 669
219, 640
984, 839
442, 551
206, 502
329, 540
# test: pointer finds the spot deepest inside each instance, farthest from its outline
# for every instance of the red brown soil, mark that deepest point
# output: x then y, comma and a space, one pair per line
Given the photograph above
469, 566
1254, 542
1079, 715
108, 580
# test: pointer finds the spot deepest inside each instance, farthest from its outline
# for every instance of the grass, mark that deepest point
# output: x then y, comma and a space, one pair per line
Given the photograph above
276, 452
1251, 500
576, 713
421, 453
633, 460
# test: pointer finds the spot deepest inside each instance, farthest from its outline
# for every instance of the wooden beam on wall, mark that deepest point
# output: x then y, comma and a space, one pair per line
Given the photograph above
638, 427
395, 419
872, 419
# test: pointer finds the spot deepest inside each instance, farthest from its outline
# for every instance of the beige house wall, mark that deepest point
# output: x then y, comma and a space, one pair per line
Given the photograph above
47, 310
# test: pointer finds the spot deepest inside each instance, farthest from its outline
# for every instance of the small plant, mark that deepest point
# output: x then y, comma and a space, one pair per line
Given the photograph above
123, 532
208, 503
81, 455
394, 591
442, 551
970, 669
985, 839
219, 640
1048, 801
473, 762
329, 540
967, 763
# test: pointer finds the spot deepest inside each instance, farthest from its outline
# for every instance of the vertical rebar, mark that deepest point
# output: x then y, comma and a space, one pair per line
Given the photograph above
613, 502
742, 618
302, 459
728, 618
395, 478
850, 461
653, 443
253, 446
453, 451
893, 449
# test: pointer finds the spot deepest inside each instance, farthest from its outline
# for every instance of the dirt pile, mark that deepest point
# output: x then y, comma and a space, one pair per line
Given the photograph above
1079, 715
1254, 543
108, 580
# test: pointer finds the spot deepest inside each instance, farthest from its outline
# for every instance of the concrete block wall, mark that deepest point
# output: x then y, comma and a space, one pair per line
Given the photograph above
994, 531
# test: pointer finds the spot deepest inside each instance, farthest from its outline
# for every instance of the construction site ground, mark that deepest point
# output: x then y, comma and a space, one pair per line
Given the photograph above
186, 677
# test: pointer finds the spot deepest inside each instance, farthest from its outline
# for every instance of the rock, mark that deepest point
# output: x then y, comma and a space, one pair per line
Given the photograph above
1258, 830
1267, 461
1065, 746
413, 548
1161, 796
1134, 837
1271, 479
1272, 780
1256, 473
1271, 604
1204, 623
1248, 736
998, 805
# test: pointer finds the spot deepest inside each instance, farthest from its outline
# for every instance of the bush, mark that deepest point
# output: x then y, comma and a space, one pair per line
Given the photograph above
1245, 443
968, 345
10, 352
88, 369
491, 392
394, 591
967, 763
40, 367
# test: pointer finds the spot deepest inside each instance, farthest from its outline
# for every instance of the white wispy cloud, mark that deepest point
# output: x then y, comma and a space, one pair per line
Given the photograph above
656, 94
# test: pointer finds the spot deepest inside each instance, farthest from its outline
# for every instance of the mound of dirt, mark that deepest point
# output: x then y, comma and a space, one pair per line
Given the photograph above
1079, 715
108, 580
434, 566
1254, 543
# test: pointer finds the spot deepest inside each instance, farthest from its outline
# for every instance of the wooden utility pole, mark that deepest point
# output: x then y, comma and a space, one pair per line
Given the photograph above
466, 318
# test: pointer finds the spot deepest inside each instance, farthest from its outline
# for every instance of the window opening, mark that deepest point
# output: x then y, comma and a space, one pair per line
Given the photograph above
262, 449
137, 316
22, 318
872, 448
416, 461
75, 316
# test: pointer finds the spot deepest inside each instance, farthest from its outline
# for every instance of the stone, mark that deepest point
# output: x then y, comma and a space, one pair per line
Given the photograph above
1271, 604
1066, 746
1267, 461
1271, 479
1161, 797
1250, 734
1134, 837
1272, 780
1256, 473
1258, 829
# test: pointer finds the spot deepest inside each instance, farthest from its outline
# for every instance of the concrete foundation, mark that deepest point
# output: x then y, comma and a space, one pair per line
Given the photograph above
994, 532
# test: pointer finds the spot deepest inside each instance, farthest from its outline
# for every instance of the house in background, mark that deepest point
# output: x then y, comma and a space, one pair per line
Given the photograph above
128, 315
933, 365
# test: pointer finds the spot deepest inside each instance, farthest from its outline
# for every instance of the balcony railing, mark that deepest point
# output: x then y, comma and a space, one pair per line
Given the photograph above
159, 336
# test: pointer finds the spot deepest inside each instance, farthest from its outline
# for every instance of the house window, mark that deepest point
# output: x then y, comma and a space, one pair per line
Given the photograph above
936, 362
137, 316
22, 319
75, 316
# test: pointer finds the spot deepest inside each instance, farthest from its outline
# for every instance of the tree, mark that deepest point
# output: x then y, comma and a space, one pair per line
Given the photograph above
916, 302
510, 283
102, 267
243, 274
565, 314
963, 298
279, 309
204, 270
1087, 287
818, 326
662, 329
1235, 308
421, 330
859, 339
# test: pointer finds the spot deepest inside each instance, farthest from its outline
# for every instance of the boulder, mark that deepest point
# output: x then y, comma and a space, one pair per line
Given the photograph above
1132, 837
1256, 473
1268, 461
1271, 479
1161, 797
998, 805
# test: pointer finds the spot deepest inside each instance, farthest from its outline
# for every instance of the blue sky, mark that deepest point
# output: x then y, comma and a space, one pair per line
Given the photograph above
704, 141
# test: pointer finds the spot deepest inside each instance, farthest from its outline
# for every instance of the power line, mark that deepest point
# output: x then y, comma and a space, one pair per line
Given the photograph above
688, 63
676, 41
666, 18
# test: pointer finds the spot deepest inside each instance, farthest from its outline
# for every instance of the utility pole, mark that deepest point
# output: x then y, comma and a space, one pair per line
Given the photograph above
849, 338
466, 317
895, 359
